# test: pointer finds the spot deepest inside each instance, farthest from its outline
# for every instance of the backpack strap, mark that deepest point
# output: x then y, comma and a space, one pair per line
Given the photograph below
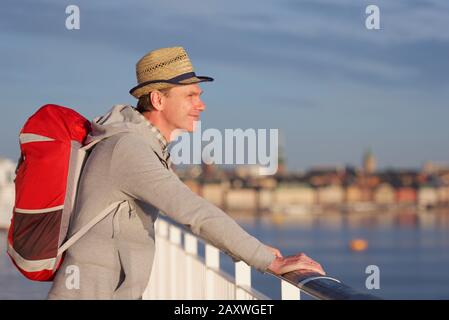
116, 206
90, 145
81, 232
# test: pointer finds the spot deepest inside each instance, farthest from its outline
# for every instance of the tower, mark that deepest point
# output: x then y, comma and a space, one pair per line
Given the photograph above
369, 162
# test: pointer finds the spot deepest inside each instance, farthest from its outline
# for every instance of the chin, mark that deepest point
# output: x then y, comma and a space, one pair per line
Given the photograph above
190, 126
187, 128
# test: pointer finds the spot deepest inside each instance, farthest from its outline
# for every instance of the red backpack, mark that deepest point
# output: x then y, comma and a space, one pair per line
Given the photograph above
53, 151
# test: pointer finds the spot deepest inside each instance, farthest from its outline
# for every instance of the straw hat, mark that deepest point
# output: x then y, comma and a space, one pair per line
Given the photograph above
164, 68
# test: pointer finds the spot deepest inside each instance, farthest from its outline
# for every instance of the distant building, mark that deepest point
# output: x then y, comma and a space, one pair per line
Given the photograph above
267, 182
427, 196
214, 192
331, 194
384, 194
241, 199
406, 195
443, 194
431, 167
294, 193
353, 194
7, 191
444, 176
325, 175
248, 170
7, 172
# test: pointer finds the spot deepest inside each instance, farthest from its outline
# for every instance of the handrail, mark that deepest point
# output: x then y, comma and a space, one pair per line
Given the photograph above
323, 287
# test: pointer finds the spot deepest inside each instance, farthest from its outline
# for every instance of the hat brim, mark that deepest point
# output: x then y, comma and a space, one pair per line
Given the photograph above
184, 79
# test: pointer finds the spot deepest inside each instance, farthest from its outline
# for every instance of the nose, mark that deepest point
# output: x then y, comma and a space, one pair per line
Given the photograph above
201, 106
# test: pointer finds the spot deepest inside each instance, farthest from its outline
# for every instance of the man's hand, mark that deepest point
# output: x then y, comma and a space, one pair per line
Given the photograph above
301, 262
275, 251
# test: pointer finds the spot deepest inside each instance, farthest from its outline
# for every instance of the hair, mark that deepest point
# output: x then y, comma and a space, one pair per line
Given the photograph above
144, 104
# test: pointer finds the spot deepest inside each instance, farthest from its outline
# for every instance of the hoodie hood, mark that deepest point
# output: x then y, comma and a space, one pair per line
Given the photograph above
122, 118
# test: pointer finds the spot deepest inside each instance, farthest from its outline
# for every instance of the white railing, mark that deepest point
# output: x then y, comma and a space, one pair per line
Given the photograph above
180, 273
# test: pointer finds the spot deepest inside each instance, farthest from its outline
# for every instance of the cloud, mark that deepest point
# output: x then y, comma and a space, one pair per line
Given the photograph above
319, 35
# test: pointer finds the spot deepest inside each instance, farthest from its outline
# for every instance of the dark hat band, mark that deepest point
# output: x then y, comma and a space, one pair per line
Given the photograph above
175, 80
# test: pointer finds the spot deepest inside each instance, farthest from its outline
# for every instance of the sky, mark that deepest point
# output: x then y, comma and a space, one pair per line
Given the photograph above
311, 69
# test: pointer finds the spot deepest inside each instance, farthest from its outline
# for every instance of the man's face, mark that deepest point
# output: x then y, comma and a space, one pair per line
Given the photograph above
182, 106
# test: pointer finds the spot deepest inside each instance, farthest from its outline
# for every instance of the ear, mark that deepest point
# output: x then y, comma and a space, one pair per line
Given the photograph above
156, 100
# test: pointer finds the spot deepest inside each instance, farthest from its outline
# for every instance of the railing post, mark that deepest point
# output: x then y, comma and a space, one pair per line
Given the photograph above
191, 249
242, 279
212, 263
161, 283
289, 291
175, 242
190, 244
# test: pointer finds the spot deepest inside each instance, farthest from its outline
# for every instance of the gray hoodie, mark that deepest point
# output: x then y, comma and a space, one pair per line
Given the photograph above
126, 165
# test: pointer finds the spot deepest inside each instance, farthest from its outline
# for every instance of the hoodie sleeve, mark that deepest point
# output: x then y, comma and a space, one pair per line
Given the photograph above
139, 174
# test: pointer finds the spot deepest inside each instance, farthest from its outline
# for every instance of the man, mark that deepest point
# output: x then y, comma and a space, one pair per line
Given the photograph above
131, 162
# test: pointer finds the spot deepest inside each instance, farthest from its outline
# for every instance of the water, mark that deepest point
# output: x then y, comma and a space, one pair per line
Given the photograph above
411, 250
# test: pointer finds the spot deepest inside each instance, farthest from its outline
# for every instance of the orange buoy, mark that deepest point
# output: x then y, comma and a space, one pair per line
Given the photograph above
358, 245
277, 218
